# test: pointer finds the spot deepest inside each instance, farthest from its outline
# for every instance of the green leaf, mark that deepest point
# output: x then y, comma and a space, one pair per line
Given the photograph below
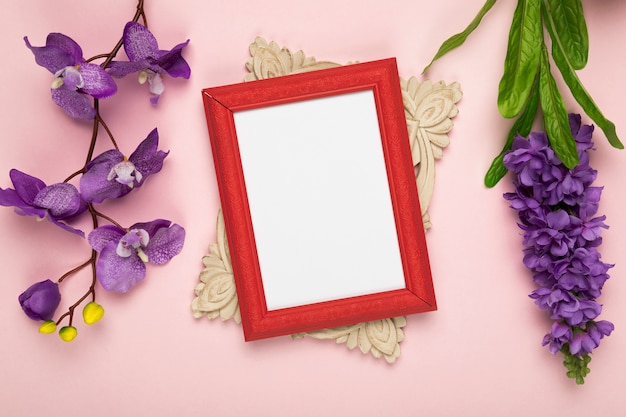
555, 117
522, 56
497, 170
579, 92
568, 23
457, 40
522, 126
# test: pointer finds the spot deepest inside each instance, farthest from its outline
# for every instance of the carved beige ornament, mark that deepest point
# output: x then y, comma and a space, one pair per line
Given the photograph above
270, 60
216, 295
428, 109
380, 337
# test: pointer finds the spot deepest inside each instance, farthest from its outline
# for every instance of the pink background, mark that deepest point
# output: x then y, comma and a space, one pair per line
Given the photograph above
478, 355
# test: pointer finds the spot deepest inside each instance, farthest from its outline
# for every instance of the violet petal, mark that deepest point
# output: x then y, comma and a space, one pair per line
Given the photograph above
153, 226
98, 83
173, 62
66, 227
75, 104
60, 51
605, 327
119, 274
10, 198
123, 68
139, 42
26, 186
146, 158
109, 158
165, 244
94, 185
103, 235
62, 200
557, 220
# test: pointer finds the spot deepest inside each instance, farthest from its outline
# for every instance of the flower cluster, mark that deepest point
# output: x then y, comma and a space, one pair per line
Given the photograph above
557, 210
118, 254
76, 79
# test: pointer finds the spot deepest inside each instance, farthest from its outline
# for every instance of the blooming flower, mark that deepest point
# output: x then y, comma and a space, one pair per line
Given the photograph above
145, 56
41, 300
74, 78
560, 334
555, 206
112, 175
31, 197
123, 253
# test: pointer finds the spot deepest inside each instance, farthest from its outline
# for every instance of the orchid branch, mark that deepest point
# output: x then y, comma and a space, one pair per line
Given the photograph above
78, 87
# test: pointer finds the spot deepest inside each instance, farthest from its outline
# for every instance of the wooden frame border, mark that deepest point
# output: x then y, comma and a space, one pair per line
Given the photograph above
382, 78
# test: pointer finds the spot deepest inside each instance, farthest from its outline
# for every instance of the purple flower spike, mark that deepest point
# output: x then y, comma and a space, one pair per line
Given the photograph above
555, 206
31, 197
74, 78
111, 175
146, 58
123, 253
40, 300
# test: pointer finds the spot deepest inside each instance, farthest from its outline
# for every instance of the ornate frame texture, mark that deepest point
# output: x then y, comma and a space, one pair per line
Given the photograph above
429, 109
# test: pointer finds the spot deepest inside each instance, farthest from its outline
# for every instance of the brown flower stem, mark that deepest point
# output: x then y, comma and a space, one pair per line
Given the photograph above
80, 171
104, 216
95, 214
90, 291
94, 131
94, 137
109, 57
106, 128
92, 261
99, 56
70, 310
141, 12
98, 121
75, 270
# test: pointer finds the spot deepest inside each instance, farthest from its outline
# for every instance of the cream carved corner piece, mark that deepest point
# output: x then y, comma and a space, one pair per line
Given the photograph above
428, 109
216, 295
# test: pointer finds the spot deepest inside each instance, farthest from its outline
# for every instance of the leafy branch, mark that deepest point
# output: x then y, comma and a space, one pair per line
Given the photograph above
527, 84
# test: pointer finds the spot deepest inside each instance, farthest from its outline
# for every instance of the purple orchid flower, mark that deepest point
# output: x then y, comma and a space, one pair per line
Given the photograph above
40, 300
32, 197
74, 78
112, 175
123, 253
151, 62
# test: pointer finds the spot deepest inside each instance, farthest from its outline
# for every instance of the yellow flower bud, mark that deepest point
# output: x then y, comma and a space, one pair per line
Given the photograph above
68, 333
92, 312
48, 327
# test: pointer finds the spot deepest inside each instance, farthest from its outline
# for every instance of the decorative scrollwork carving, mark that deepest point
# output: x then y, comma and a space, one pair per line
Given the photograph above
428, 109
216, 295
380, 337
270, 60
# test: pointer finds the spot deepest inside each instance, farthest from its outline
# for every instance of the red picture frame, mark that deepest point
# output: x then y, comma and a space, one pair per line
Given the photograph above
224, 105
